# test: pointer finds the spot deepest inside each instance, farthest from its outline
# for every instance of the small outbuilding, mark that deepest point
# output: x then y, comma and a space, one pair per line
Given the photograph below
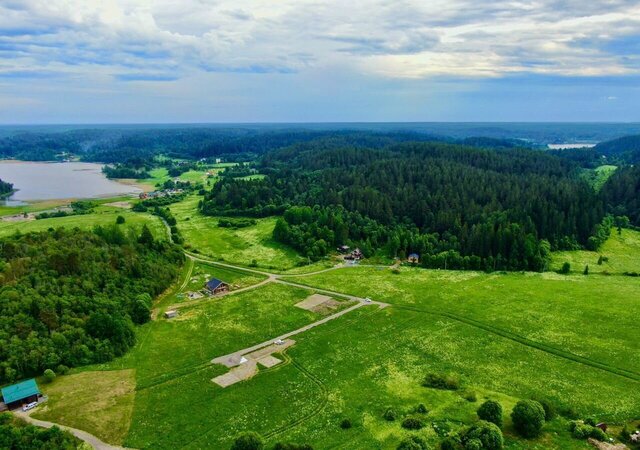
170, 314
413, 258
20, 394
215, 286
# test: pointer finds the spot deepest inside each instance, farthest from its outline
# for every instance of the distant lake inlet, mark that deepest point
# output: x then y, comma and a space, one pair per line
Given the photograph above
50, 180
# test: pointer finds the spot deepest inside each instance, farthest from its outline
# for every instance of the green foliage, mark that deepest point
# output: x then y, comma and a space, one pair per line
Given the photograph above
68, 296
491, 411
413, 443
528, 418
470, 396
248, 441
16, 434
566, 268
582, 430
486, 433
412, 423
345, 423
621, 193
49, 375
6, 189
550, 411
421, 409
120, 220
361, 198
449, 382
291, 446
390, 415
236, 223
586, 270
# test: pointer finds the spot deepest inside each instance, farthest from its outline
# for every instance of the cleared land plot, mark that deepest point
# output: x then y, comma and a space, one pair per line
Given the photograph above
622, 251
241, 246
594, 317
319, 303
598, 177
236, 279
101, 216
100, 403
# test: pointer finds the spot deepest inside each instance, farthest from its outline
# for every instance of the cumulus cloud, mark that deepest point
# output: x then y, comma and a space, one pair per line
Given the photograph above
165, 40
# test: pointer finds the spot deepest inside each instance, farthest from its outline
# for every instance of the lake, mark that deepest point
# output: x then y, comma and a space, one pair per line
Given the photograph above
45, 181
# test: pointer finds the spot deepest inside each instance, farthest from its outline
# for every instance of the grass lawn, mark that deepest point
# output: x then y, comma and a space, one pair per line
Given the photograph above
98, 402
240, 246
236, 279
102, 215
623, 252
593, 317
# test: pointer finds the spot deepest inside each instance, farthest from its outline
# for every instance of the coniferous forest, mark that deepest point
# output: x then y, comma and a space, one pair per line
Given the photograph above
456, 206
71, 297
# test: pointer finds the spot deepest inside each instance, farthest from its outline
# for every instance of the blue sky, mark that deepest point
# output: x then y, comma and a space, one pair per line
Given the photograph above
123, 61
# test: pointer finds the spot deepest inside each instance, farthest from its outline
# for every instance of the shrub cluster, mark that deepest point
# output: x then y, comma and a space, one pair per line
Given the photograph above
439, 381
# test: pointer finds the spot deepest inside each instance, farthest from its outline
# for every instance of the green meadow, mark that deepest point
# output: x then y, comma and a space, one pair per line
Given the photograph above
241, 246
102, 215
621, 253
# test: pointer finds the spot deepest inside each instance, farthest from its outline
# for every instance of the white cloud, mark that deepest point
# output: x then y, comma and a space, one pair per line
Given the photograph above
400, 39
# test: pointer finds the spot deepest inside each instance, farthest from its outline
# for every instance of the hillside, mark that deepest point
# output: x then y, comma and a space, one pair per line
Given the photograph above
625, 149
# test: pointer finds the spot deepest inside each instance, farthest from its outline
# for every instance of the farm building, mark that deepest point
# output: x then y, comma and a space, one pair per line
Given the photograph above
170, 314
20, 394
355, 255
215, 286
413, 258
343, 248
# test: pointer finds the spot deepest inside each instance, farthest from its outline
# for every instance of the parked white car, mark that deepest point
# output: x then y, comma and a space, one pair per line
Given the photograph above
368, 300
29, 406
278, 342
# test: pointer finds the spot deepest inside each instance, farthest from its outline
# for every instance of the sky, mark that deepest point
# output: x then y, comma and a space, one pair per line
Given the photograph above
194, 61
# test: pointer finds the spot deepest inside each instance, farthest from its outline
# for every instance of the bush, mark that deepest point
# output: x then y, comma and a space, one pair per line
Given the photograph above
473, 444
62, 369
470, 396
49, 375
119, 220
412, 423
528, 418
580, 430
291, 446
421, 409
491, 411
413, 443
451, 443
566, 268
346, 424
550, 411
248, 441
446, 382
390, 415
487, 433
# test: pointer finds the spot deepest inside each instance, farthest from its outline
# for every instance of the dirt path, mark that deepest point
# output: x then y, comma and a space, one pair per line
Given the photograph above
82, 435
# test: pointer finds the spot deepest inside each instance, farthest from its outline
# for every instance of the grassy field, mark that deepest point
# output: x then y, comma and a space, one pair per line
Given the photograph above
102, 215
98, 402
621, 250
241, 246
598, 177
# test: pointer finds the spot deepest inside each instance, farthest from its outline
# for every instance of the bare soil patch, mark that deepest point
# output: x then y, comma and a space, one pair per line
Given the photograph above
124, 205
318, 303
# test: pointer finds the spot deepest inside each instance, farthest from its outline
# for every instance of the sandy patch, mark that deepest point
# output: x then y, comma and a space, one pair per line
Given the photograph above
319, 303
19, 218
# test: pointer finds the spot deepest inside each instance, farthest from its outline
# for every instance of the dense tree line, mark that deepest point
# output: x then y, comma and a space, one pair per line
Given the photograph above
504, 209
71, 297
6, 189
622, 150
125, 171
621, 193
15, 434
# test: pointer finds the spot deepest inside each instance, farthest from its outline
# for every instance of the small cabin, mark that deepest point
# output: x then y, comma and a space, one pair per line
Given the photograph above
20, 394
413, 258
215, 286
170, 314
343, 249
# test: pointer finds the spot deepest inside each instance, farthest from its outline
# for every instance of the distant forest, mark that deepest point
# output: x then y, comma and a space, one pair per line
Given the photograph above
473, 202
5, 189
71, 297
456, 206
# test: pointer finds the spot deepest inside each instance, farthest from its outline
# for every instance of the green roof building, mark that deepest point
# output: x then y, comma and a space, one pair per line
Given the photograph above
21, 393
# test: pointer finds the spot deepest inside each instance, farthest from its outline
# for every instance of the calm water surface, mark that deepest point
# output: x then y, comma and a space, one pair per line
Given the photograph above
44, 181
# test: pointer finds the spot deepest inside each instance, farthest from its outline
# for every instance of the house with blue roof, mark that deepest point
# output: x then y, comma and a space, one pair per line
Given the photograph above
20, 394
215, 286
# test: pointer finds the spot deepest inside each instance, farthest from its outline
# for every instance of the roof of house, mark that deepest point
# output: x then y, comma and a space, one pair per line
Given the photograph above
20, 391
214, 283
414, 255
